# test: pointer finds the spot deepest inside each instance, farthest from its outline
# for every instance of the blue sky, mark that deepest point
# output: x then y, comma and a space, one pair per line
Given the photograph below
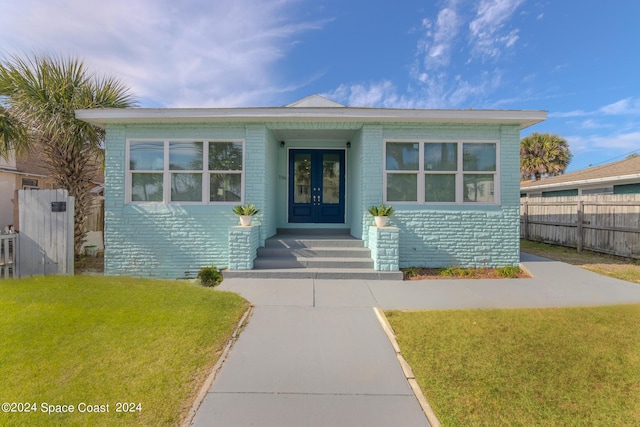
579, 60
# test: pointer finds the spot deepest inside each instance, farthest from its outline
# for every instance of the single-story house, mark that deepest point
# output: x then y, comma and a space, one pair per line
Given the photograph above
621, 177
172, 177
19, 173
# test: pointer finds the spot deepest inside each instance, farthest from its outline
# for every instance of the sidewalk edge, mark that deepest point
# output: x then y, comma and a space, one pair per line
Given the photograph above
406, 369
216, 368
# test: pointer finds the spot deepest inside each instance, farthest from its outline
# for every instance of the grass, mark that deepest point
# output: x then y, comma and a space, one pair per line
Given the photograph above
422, 273
104, 340
609, 265
560, 367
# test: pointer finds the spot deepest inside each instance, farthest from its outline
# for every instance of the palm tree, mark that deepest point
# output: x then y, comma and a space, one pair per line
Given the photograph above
543, 154
38, 97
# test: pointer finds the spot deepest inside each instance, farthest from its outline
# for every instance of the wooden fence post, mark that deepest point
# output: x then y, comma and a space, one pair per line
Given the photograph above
525, 220
580, 229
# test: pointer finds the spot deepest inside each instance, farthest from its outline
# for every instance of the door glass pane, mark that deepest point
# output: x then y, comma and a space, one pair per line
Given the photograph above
302, 178
331, 179
146, 187
225, 187
144, 155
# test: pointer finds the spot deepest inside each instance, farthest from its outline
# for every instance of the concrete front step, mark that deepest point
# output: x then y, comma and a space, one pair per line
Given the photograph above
311, 262
326, 252
300, 242
315, 273
314, 254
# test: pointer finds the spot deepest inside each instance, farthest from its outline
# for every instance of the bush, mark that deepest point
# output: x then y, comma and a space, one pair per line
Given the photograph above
382, 210
210, 276
509, 271
456, 271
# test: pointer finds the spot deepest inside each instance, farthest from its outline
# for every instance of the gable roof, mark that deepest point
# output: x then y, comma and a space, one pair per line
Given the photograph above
314, 100
628, 169
312, 108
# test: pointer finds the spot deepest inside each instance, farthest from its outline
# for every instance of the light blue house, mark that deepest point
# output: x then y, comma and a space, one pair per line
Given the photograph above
172, 177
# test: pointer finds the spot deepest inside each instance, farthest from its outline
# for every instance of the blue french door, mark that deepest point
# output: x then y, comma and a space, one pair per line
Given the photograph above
316, 186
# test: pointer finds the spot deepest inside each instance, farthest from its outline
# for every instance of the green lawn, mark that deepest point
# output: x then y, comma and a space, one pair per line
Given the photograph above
555, 367
90, 340
609, 265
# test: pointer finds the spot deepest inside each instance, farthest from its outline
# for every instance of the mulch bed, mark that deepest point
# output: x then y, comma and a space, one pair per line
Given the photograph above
469, 273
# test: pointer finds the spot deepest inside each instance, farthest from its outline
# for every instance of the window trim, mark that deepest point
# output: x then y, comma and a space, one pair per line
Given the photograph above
459, 172
167, 172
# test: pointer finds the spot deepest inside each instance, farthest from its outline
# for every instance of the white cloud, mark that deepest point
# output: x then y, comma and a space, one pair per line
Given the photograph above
440, 47
611, 145
623, 107
378, 94
198, 53
487, 30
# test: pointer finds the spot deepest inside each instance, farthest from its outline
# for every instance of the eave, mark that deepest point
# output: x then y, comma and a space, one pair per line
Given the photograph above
104, 117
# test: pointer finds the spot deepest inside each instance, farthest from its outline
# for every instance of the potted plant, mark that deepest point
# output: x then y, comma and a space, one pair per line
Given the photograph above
381, 214
245, 213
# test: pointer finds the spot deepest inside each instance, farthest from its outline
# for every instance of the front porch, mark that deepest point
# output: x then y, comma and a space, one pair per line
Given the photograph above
303, 253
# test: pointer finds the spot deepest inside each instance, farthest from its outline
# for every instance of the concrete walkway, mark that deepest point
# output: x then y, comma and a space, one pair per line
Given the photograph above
314, 353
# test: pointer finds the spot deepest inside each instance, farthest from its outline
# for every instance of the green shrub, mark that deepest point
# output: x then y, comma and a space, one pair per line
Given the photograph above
509, 271
382, 210
246, 210
411, 272
210, 276
456, 272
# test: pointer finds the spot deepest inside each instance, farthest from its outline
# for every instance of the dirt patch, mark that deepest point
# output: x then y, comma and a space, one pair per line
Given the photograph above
417, 273
89, 265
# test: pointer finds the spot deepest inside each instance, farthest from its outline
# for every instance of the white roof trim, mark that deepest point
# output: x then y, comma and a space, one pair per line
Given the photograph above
572, 184
102, 117
18, 172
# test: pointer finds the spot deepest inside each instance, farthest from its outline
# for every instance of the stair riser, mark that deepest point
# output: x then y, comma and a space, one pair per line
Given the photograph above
299, 244
314, 252
275, 263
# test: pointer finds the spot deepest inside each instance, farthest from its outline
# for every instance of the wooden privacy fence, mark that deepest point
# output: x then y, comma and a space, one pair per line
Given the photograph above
601, 223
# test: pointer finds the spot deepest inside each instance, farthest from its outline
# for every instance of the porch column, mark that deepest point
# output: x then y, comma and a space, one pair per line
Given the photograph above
243, 246
384, 245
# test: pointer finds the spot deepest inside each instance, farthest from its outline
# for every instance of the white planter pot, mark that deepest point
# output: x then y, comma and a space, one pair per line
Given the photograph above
381, 221
245, 220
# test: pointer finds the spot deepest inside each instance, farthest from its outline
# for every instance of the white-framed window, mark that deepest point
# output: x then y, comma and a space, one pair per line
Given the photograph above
457, 172
185, 171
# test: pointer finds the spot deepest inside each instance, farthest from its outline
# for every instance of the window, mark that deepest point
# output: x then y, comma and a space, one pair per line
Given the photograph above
185, 171
441, 172
28, 183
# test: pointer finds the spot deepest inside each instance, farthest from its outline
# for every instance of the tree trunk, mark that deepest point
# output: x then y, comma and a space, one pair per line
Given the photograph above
73, 169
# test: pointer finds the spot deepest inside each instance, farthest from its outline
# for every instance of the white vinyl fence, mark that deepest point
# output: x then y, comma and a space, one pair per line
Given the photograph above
46, 232
8, 256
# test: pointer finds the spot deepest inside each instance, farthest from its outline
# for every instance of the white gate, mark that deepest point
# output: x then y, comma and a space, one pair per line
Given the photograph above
46, 232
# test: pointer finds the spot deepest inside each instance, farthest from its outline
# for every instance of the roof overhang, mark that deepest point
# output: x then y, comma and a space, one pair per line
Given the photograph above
621, 179
119, 116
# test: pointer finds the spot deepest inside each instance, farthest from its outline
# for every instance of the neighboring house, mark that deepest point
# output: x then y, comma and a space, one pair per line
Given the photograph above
21, 173
173, 176
622, 177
